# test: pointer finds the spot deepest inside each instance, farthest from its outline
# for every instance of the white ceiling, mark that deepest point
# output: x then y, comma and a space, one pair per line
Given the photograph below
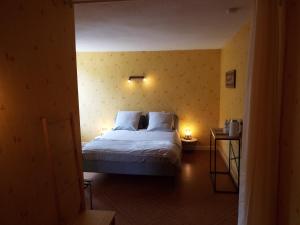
152, 25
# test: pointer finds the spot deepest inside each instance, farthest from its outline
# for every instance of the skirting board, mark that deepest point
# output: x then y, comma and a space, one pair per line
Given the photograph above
234, 172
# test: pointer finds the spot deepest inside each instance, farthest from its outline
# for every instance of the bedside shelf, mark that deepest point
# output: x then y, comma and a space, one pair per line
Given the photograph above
189, 145
193, 140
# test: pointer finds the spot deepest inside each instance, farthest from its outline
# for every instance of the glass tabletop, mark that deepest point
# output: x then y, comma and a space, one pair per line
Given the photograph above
219, 134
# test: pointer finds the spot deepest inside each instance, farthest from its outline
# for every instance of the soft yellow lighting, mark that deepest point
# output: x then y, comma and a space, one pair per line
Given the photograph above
103, 130
187, 169
148, 82
187, 134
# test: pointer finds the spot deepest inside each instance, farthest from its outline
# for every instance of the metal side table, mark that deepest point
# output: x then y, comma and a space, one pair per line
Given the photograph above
217, 134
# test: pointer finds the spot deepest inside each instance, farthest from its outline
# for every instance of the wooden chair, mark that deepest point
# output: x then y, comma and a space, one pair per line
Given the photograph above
85, 217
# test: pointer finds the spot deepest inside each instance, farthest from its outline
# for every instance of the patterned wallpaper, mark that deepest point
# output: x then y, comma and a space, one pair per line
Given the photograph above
184, 82
234, 55
37, 79
289, 188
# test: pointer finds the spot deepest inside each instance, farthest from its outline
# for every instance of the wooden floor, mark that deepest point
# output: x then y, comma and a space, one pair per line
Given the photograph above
185, 200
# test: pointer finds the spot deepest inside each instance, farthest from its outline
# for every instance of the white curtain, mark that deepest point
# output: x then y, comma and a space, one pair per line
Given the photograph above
259, 165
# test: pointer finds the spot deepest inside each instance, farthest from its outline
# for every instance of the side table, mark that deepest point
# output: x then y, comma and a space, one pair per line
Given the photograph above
189, 145
217, 134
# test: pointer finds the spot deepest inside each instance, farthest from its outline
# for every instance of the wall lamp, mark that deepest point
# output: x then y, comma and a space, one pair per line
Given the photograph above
136, 78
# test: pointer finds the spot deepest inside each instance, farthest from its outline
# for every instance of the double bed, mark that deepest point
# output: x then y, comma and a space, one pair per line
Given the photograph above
139, 152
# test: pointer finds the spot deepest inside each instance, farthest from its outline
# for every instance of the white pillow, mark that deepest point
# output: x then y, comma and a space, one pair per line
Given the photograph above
160, 121
127, 120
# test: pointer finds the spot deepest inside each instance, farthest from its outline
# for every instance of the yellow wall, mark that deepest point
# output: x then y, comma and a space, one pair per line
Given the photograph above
289, 189
184, 82
234, 55
37, 79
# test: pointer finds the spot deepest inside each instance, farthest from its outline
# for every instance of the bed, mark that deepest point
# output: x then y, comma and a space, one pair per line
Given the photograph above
138, 152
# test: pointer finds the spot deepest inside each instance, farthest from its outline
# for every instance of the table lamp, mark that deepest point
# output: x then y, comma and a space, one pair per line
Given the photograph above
187, 134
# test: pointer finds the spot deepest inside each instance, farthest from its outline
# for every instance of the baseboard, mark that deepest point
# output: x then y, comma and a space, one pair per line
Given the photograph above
234, 172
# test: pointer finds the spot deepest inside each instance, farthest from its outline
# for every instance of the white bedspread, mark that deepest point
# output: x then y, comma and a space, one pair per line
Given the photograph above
135, 146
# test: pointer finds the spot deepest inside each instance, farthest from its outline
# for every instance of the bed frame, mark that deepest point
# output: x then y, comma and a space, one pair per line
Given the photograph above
130, 168
134, 168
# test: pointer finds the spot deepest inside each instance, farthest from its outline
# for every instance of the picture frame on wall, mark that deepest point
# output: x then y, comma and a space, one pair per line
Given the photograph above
230, 79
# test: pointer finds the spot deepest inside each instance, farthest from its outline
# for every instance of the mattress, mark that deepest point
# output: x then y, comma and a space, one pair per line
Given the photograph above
135, 146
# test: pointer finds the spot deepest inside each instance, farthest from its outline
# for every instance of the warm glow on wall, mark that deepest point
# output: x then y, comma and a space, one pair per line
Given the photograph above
189, 130
129, 84
103, 130
148, 81
139, 80
103, 126
174, 81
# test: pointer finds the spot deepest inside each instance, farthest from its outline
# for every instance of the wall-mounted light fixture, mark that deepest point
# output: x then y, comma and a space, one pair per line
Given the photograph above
141, 77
